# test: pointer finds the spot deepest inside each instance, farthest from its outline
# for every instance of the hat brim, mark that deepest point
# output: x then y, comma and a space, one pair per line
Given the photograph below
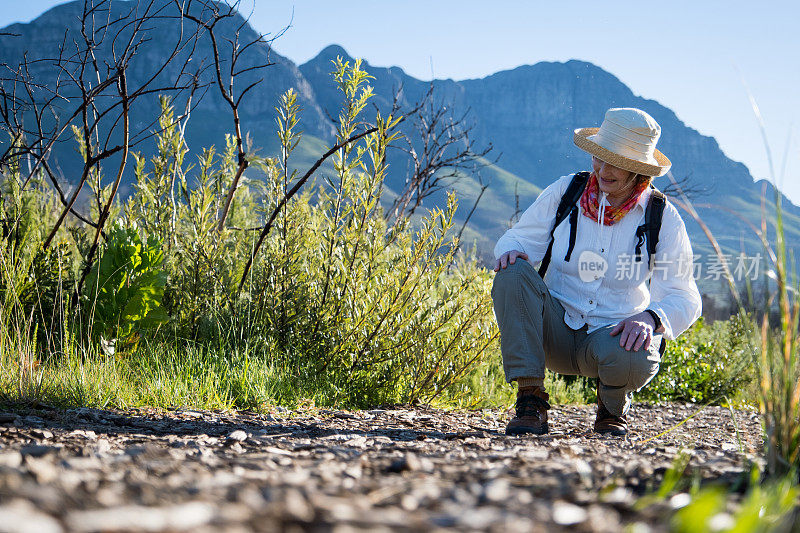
631, 165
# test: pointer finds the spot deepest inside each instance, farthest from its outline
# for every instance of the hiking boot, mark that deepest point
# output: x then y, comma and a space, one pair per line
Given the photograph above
531, 412
607, 423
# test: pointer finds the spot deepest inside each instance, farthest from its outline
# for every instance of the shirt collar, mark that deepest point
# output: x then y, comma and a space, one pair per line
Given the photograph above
644, 198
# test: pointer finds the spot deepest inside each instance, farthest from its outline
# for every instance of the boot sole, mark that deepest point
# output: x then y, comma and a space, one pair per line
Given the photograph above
613, 432
527, 430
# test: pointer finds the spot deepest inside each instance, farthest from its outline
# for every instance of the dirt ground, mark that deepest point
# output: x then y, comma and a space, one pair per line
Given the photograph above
399, 469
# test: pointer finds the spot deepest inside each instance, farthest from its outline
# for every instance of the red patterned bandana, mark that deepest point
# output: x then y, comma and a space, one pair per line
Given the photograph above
590, 204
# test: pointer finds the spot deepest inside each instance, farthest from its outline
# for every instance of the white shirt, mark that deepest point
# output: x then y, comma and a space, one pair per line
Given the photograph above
603, 298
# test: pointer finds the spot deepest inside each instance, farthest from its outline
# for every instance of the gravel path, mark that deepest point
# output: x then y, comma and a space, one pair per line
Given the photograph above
320, 470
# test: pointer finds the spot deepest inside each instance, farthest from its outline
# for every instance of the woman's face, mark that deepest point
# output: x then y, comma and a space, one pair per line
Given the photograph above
614, 181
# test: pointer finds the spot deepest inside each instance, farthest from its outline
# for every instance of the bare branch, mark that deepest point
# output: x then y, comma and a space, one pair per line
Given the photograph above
76, 89
440, 151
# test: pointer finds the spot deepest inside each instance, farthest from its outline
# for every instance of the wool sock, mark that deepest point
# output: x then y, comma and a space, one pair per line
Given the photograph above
530, 382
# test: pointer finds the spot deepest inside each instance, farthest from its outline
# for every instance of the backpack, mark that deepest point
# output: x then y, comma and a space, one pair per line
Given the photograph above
645, 233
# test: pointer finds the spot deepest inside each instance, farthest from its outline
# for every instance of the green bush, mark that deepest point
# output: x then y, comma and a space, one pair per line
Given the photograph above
124, 288
362, 312
340, 306
707, 363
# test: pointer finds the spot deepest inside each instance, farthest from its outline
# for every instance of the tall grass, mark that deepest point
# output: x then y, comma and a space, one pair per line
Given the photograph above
776, 357
779, 372
779, 369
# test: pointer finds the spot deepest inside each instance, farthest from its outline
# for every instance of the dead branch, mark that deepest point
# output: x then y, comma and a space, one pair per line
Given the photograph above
85, 84
441, 151
225, 82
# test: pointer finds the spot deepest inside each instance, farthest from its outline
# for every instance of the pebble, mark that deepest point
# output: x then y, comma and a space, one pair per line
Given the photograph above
410, 462
21, 517
43, 470
568, 514
237, 436
497, 490
10, 459
42, 433
38, 450
181, 517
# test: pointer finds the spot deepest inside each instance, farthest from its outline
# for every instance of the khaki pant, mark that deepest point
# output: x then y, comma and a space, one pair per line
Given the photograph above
533, 336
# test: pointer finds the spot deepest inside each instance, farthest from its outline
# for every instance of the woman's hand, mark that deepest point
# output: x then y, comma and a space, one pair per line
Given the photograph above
509, 258
636, 331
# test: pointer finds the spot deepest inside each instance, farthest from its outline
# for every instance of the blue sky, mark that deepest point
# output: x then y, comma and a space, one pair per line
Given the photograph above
692, 56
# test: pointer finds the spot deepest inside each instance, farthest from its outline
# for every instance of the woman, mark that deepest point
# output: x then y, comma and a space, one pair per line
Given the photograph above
600, 311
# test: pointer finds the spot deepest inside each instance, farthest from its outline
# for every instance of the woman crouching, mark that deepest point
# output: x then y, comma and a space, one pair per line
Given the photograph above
615, 276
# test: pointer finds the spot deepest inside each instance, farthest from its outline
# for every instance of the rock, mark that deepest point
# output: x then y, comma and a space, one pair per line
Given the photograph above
22, 517
620, 496
237, 436
409, 503
84, 433
102, 446
83, 463
6, 418
410, 462
181, 517
277, 451
584, 470
497, 490
32, 421
146, 450
568, 514
721, 522
42, 469
236, 447
42, 433
38, 450
11, 459
357, 442
297, 506
680, 500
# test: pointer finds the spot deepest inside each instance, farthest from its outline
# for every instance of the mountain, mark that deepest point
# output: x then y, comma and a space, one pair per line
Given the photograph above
529, 113
526, 114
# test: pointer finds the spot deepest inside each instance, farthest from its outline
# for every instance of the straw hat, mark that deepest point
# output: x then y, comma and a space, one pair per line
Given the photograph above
626, 139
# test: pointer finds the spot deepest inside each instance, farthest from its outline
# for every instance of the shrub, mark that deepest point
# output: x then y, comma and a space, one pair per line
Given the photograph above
124, 288
340, 306
706, 364
367, 313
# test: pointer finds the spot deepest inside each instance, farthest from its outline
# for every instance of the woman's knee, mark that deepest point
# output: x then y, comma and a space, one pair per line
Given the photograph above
613, 365
521, 272
644, 367
618, 367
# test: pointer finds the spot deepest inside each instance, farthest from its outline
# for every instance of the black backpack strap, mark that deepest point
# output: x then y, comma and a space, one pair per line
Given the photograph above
565, 207
652, 225
573, 230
